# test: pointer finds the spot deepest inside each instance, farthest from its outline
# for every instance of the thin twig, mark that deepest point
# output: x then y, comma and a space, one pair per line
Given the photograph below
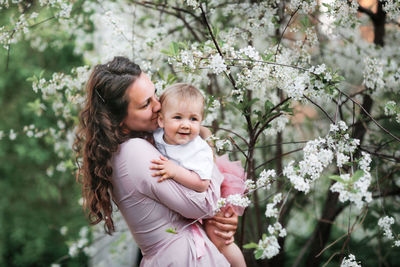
230, 77
234, 143
284, 154
284, 30
277, 106
232, 132
266, 124
326, 114
369, 115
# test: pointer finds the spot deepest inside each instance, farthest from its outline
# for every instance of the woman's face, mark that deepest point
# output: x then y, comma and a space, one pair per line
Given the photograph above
143, 106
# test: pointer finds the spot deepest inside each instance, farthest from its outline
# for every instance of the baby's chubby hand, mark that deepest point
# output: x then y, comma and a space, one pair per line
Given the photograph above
165, 168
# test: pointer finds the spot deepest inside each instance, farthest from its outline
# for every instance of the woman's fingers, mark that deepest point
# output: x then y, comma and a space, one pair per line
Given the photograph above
223, 226
225, 235
229, 212
232, 221
163, 158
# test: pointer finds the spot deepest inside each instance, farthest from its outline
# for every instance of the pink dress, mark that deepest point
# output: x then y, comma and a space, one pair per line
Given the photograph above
150, 208
234, 177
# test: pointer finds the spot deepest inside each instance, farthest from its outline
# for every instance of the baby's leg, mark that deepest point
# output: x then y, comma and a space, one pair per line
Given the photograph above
233, 254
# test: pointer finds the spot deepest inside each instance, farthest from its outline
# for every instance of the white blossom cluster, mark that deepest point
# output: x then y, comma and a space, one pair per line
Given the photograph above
258, 20
392, 109
257, 75
316, 158
373, 74
265, 179
217, 64
392, 8
304, 6
277, 229
269, 246
341, 13
62, 89
193, 3
219, 144
76, 246
235, 200
271, 211
212, 113
385, 224
277, 125
249, 185
319, 153
28, 130
238, 200
350, 261
65, 7
21, 27
353, 188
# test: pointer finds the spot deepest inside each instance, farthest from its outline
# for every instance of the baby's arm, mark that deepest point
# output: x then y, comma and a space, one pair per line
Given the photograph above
167, 169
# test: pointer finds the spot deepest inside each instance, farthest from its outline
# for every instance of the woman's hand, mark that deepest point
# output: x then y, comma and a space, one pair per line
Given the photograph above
226, 224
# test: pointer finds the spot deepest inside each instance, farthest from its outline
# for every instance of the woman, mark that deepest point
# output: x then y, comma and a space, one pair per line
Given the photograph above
116, 123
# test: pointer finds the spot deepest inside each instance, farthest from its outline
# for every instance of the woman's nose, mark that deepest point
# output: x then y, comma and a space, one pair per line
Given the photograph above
156, 106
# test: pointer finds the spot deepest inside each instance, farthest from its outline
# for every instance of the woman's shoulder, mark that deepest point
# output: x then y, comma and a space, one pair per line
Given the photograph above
136, 147
135, 142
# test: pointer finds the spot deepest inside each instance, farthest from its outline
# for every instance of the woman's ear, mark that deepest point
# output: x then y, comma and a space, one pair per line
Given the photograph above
160, 120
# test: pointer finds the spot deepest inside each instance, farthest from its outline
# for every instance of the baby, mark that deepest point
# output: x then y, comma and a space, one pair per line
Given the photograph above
187, 158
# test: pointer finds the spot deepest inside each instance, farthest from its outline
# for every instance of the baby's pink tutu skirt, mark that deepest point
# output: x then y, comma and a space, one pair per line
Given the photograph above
234, 177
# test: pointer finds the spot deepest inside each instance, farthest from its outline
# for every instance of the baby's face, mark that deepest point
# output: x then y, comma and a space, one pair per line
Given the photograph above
181, 121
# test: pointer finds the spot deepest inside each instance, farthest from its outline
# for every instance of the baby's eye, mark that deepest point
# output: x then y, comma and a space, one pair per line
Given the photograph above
193, 119
177, 117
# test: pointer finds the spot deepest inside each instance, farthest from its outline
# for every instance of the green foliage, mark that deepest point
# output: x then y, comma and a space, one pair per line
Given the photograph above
34, 206
171, 230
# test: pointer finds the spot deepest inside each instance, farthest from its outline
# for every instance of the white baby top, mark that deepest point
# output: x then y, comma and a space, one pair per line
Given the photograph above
196, 155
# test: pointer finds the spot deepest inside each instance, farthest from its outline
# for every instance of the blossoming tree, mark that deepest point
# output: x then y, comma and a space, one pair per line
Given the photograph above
304, 93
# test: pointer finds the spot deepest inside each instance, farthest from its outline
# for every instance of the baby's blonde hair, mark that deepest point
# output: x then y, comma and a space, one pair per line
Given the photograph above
182, 92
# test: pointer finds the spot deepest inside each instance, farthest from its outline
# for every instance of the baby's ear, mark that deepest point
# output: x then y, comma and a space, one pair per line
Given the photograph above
160, 120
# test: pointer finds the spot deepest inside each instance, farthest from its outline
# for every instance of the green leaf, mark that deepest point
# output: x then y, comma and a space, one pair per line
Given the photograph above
267, 57
268, 105
336, 178
305, 22
250, 245
264, 236
174, 48
166, 52
357, 175
172, 231
258, 254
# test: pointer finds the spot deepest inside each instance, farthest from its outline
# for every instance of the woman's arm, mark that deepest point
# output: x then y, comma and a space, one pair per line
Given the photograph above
135, 156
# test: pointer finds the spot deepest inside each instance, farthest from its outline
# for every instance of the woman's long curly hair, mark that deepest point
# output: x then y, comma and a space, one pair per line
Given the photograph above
100, 134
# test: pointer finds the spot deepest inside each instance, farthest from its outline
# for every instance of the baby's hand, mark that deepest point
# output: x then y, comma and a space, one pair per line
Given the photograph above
166, 168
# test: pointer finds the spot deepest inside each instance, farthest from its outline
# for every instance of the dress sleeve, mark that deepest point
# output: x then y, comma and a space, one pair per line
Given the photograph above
136, 154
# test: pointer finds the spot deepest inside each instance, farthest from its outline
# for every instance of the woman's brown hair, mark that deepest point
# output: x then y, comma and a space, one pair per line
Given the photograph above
100, 134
